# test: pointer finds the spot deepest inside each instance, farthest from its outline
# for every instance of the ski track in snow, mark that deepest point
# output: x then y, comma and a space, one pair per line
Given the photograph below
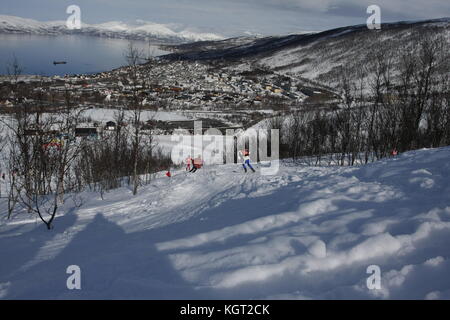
305, 233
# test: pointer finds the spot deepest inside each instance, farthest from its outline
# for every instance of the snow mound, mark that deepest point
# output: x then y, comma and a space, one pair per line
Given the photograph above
305, 233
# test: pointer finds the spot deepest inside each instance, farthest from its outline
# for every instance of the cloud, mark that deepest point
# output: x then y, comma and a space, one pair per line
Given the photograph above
411, 8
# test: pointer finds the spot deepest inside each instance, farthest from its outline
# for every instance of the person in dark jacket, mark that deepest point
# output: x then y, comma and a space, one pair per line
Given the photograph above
197, 163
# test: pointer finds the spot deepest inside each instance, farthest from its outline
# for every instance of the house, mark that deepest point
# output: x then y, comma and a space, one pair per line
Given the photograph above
176, 89
86, 132
32, 132
110, 125
7, 103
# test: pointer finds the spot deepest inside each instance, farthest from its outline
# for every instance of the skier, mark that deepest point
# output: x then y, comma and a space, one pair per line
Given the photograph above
188, 163
244, 155
196, 163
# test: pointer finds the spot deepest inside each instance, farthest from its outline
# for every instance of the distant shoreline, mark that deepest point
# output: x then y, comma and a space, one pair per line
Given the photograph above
84, 54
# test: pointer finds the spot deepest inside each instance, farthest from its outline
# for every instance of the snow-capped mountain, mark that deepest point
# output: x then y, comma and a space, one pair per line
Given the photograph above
140, 30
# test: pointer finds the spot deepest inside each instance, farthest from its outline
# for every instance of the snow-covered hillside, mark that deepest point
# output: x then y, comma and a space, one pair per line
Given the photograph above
305, 233
140, 30
317, 56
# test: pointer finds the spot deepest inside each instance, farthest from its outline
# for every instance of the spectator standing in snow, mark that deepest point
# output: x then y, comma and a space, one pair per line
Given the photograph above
244, 155
188, 163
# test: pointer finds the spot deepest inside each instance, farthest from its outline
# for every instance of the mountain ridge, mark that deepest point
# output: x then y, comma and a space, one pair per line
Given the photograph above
316, 57
142, 30
284, 40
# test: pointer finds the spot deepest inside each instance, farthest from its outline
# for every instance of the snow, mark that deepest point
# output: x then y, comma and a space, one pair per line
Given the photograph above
141, 29
304, 233
107, 114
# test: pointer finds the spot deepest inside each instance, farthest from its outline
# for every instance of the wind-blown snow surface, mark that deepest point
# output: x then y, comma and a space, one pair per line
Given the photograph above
307, 232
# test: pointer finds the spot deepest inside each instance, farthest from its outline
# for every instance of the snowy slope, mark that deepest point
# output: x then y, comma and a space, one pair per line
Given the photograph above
140, 30
316, 56
305, 233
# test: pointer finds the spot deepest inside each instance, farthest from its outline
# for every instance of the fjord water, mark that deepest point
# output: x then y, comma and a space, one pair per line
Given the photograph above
83, 54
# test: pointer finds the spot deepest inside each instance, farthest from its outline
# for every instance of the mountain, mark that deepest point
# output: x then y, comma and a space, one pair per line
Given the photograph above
141, 30
306, 232
315, 56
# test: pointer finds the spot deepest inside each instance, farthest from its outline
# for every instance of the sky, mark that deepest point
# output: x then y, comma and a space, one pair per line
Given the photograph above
232, 17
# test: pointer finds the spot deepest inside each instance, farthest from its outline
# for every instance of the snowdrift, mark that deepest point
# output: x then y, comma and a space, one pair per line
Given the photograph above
305, 233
